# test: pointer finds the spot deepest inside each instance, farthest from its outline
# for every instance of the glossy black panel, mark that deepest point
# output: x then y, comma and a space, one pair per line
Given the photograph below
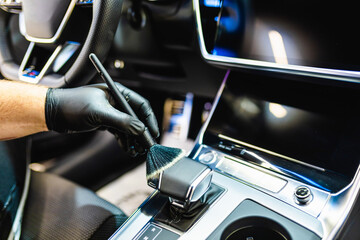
288, 124
308, 33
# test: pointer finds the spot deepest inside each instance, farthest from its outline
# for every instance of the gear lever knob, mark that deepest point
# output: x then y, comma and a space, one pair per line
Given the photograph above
185, 182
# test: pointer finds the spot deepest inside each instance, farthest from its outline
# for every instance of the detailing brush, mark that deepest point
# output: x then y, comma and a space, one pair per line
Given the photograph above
158, 157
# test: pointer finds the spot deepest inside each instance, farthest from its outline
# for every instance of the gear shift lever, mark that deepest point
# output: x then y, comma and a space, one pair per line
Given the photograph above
185, 182
188, 185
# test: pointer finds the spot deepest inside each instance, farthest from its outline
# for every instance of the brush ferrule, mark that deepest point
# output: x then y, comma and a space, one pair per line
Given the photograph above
147, 140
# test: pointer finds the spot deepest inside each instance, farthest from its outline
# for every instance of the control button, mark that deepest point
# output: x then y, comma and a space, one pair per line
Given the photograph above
302, 195
153, 232
150, 233
207, 157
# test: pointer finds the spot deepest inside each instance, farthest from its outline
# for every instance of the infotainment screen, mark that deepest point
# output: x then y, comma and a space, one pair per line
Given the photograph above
317, 34
317, 127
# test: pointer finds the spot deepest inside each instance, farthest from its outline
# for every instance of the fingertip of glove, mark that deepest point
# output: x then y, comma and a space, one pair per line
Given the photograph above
153, 126
157, 130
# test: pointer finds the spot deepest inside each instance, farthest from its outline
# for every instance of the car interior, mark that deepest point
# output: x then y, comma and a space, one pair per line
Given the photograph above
262, 95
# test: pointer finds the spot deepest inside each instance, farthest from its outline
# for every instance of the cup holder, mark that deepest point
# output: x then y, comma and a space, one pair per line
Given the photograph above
255, 228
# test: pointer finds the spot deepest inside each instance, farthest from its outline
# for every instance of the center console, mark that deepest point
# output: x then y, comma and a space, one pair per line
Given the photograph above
284, 166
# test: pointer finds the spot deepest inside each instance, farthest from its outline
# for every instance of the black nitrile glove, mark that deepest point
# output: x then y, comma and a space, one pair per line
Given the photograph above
91, 107
129, 144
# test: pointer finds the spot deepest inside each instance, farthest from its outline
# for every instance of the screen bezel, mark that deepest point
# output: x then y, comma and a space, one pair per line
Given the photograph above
327, 73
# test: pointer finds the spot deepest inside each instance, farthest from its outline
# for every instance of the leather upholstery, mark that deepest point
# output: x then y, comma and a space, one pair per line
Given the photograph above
59, 209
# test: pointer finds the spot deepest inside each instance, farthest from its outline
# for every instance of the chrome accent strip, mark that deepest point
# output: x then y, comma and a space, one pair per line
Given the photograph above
334, 74
177, 203
43, 71
195, 184
200, 136
59, 30
16, 227
338, 208
160, 179
15, 231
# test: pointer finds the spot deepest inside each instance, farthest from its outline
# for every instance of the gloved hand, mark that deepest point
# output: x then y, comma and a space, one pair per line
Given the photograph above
91, 107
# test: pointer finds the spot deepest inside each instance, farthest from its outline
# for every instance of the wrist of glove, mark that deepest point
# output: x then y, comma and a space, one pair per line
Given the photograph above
92, 107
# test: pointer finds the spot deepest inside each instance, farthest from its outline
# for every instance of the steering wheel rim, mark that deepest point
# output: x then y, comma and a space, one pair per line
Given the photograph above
105, 18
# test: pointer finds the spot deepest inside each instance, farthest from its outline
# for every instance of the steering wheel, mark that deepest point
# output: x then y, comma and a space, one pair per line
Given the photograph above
42, 22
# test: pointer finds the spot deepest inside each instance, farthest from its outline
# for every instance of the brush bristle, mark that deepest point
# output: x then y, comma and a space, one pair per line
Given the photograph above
160, 158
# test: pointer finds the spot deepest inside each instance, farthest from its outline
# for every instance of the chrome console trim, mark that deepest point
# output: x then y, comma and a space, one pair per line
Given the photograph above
190, 194
58, 31
199, 138
236, 192
283, 192
333, 74
338, 208
15, 232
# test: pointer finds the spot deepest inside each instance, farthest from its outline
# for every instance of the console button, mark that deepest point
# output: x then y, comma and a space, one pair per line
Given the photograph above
302, 195
150, 233
153, 232
207, 157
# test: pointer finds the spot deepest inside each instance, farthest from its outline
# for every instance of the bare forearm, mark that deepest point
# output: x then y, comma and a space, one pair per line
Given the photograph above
22, 109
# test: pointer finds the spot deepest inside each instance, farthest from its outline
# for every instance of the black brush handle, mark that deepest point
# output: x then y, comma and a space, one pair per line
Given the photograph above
146, 139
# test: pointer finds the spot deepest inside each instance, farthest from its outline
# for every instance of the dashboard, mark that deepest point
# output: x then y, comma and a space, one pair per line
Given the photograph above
271, 141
